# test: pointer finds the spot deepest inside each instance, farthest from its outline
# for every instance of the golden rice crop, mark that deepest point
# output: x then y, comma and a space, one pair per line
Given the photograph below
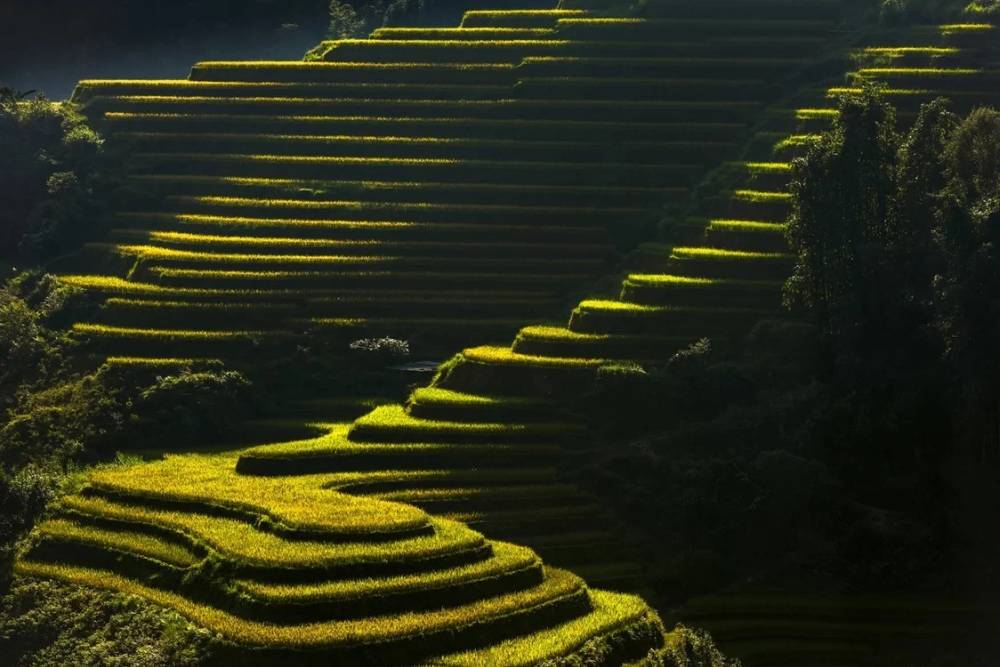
331, 634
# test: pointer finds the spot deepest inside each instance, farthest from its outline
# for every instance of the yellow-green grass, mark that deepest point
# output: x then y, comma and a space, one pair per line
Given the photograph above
514, 50
440, 403
462, 33
91, 92
796, 142
457, 113
361, 205
301, 246
561, 341
128, 538
332, 634
713, 25
667, 280
903, 51
99, 331
517, 17
725, 255
457, 398
431, 126
612, 611
386, 186
505, 356
815, 114
139, 543
420, 147
769, 167
213, 482
506, 559
252, 549
966, 28
747, 226
335, 442
391, 423
918, 71
135, 290
161, 255
762, 196
569, 229
339, 280
154, 362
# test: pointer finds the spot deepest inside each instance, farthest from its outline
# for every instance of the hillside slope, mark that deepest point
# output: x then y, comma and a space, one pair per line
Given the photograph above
442, 186
492, 195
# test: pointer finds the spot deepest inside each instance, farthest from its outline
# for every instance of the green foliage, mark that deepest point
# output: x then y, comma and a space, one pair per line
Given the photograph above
695, 384
49, 624
695, 648
841, 233
195, 405
359, 19
52, 177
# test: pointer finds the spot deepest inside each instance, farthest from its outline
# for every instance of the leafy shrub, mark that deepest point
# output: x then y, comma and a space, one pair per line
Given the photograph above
23, 497
48, 624
53, 180
194, 406
695, 648
360, 18
897, 12
377, 352
696, 383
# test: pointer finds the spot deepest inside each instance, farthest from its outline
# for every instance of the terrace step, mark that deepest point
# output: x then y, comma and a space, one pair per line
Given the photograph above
95, 95
298, 72
340, 280
337, 230
508, 498
654, 67
615, 317
525, 18
500, 371
276, 246
720, 111
393, 424
748, 235
707, 262
617, 28
561, 342
647, 152
392, 212
166, 314
442, 404
675, 290
409, 192
435, 169
513, 51
161, 257
626, 87
458, 126
491, 34
340, 455
762, 205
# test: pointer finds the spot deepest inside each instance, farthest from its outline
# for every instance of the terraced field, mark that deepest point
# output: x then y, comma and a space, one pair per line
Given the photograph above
722, 273
288, 570
440, 185
449, 185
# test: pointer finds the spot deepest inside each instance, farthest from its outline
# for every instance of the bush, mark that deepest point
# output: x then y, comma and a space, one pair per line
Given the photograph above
194, 406
48, 624
23, 497
53, 179
899, 12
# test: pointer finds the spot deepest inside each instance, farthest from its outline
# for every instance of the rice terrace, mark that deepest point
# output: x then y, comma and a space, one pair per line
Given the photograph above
573, 333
